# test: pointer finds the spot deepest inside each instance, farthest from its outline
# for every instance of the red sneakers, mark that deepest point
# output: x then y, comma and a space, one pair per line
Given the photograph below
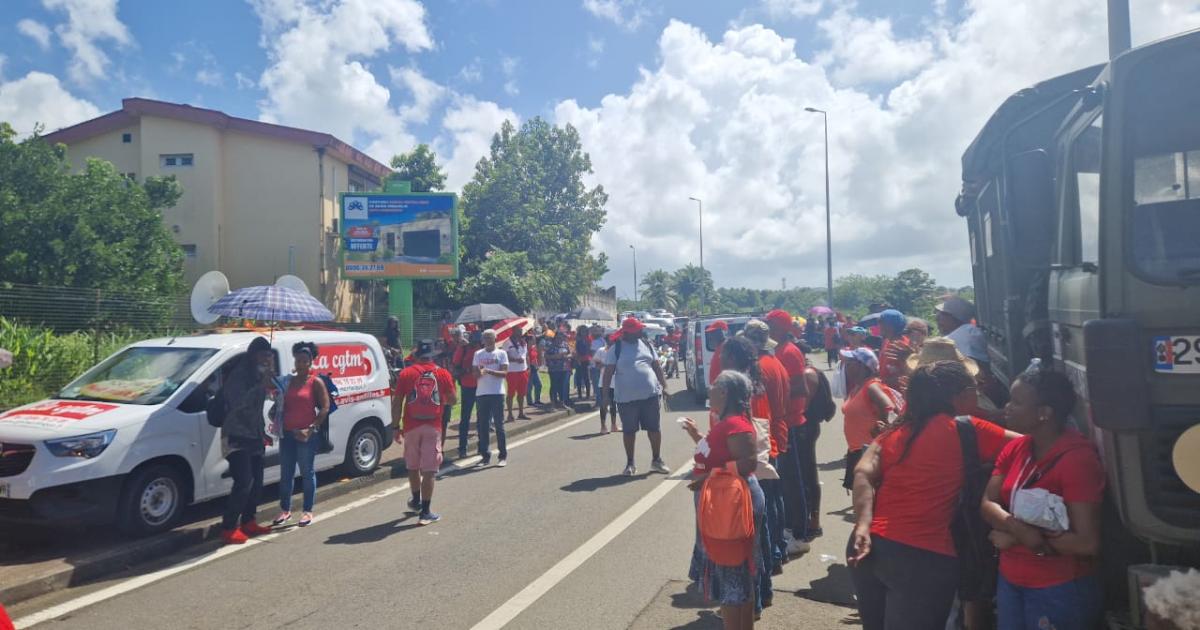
253, 529
234, 537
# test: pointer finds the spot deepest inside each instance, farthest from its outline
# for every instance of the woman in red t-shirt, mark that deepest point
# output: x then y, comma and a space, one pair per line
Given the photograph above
1046, 575
730, 440
906, 487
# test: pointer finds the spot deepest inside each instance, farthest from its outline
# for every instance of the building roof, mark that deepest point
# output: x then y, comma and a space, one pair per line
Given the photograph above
133, 108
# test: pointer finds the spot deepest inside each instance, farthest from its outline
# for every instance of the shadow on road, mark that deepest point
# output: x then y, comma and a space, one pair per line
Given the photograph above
847, 513
835, 588
588, 436
705, 620
374, 533
835, 465
599, 483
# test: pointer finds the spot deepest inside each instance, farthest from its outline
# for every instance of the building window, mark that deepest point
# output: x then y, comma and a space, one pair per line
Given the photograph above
126, 138
176, 160
189, 250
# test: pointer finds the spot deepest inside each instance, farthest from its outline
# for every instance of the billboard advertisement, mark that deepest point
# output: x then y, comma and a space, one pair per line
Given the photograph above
398, 236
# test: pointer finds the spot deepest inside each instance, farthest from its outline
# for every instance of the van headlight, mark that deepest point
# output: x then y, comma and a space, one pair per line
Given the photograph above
85, 446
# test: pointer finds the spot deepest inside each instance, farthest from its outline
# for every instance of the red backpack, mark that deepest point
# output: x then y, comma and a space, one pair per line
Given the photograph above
425, 400
725, 516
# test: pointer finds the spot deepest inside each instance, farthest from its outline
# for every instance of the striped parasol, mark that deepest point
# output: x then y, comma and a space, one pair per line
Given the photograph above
507, 327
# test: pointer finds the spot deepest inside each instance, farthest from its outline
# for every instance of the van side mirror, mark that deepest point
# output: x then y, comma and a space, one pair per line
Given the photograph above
196, 401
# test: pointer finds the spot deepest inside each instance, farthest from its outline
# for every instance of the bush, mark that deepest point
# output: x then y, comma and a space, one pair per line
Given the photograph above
43, 361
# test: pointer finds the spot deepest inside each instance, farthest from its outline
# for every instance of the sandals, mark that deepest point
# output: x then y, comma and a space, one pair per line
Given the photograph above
281, 519
306, 519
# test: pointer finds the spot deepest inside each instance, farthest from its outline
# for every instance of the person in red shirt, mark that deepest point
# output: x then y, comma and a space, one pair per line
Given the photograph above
906, 488
718, 330
831, 342
1047, 575
791, 467
463, 370
897, 348
422, 390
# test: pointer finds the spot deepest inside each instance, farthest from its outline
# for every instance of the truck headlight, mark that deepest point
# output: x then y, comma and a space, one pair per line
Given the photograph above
86, 446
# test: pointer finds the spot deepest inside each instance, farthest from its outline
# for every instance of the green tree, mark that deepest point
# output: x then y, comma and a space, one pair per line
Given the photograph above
912, 292
93, 229
852, 293
657, 290
528, 196
420, 167
692, 284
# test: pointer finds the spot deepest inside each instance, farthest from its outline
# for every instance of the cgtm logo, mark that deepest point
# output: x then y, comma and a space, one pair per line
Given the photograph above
344, 360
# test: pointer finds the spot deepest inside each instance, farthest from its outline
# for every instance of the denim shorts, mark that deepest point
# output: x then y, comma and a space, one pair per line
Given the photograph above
641, 414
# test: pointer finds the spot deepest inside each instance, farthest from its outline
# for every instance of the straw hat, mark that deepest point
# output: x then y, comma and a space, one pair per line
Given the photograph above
941, 349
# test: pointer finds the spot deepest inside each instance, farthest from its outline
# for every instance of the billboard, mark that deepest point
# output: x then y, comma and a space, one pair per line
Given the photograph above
398, 236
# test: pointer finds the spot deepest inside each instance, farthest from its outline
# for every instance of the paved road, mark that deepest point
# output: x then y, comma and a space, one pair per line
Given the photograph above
558, 539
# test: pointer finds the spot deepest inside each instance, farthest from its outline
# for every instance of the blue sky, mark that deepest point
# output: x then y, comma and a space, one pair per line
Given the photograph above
672, 98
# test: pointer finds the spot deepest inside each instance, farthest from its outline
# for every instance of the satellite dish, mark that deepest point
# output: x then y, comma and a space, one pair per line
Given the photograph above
289, 281
211, 287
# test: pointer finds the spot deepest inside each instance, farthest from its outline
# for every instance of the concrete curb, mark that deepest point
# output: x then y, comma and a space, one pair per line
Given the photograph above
129, 553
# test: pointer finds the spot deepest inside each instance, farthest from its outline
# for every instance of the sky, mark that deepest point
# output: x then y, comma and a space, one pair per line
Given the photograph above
673, 99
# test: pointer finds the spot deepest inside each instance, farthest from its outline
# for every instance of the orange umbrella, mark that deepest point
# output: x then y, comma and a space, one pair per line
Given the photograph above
507, 327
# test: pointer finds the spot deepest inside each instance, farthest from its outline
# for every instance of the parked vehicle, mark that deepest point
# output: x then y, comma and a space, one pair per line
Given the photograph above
130, 441
701, 348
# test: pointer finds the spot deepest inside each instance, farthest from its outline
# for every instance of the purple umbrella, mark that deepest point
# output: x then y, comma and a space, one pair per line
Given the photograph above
821, 310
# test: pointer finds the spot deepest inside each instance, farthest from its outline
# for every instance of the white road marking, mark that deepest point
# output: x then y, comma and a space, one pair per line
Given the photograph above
557, 573
132, 584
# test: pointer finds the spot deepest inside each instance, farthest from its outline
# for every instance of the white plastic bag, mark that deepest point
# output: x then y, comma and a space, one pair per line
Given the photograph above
837, 384
1040, 508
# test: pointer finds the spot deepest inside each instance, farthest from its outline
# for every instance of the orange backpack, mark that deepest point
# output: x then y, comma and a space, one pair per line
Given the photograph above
725, 516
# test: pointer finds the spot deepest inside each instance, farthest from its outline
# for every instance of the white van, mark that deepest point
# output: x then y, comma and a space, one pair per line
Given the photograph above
701, 349
129, 440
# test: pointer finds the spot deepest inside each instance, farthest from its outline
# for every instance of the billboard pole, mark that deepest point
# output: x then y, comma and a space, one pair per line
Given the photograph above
400, 292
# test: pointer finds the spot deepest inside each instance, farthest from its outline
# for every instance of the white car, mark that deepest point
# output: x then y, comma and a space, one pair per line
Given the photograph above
130, 441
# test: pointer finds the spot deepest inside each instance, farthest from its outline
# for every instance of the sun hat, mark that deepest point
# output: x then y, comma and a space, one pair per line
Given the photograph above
865, 356
759, 334
958, 308
941, 349
631, 326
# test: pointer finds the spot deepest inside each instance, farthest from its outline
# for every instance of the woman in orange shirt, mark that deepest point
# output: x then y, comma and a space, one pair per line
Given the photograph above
867, 407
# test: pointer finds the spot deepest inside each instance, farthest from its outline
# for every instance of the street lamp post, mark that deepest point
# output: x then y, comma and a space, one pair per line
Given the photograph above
828, 228
700, 210
635, 282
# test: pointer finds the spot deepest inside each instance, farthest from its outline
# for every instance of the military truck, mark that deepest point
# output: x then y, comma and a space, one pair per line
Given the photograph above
1082, 200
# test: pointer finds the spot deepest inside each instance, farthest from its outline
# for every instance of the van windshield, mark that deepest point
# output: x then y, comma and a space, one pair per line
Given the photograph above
138, 376
1165, 217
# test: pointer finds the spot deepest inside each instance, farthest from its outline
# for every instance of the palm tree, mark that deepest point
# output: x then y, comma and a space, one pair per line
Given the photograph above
657, 291
692, 281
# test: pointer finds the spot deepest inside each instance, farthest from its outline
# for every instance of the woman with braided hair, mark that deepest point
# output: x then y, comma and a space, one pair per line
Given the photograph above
906, 489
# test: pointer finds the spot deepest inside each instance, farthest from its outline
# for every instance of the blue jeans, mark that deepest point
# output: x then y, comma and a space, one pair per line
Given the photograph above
1075, 605
775, 547
560, 387
292, 452
534, 393
491, 413
792, 478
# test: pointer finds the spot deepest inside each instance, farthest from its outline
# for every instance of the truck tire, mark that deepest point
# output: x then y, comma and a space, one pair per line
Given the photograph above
364, 450
152, 500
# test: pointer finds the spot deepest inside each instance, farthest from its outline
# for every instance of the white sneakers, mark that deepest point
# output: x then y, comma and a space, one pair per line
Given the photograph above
795, 547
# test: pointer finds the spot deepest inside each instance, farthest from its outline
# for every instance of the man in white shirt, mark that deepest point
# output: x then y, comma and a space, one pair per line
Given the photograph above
491, 367
518, 373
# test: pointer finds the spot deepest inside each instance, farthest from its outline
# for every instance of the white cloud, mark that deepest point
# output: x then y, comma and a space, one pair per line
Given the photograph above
627, 14
36, 31
508, 65
469, 125
319, 75
725, 121
39, 98
595, 50
243, 82
210, 77
865, 50
792, 8
426, 93
472, 72
88, 22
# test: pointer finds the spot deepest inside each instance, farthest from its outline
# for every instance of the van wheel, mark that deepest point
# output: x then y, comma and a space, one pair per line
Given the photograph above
152, 501
364, 450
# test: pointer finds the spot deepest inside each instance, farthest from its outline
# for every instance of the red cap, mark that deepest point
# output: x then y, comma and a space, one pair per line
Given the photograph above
615, 337
720, 324
779, 317
631, 326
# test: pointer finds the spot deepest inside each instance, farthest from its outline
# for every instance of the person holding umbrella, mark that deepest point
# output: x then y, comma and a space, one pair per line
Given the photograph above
518, 372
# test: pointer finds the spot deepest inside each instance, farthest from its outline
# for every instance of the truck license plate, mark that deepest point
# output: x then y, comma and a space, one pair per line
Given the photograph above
1177, 355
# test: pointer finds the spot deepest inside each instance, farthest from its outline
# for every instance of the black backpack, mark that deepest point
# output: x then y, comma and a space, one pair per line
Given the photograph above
216, 409
821, 407
978, 564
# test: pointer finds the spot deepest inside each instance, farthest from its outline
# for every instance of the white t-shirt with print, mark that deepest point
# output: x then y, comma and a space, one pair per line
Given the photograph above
490, 385
516, 352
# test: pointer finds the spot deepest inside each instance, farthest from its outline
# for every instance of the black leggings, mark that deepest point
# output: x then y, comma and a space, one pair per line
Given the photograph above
246, 468
808, 466
903, 588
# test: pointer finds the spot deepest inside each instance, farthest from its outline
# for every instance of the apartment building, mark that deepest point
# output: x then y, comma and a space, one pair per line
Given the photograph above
259, 200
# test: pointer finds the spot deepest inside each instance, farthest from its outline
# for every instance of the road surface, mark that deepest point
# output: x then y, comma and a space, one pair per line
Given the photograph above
558, 539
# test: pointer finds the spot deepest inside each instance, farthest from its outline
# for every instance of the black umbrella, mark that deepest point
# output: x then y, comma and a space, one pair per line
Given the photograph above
477, 313
590, 312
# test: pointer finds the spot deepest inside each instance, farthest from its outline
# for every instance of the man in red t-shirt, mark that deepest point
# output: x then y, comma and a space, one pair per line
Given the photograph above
423, 390
716, 330
462, 368
790, 470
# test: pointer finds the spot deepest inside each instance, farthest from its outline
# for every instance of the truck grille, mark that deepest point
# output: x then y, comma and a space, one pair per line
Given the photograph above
1168, 497
14, 458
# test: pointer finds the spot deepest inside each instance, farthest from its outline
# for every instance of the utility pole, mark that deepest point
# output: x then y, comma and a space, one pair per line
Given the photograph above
635, 278
828, 228
700, 209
